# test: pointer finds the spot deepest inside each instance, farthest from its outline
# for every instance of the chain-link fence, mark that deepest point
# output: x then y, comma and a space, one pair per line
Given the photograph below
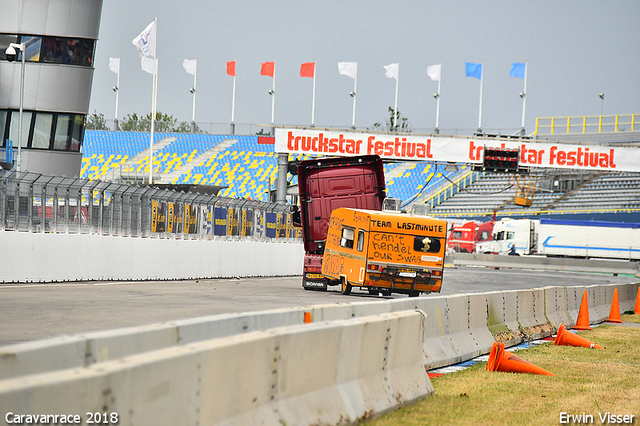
31, 202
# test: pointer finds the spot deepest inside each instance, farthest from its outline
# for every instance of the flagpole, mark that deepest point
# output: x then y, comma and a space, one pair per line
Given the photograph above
273, 100
437, 129
313, 98
395, 109
117, 95
193, 114
524, 96
233, 103
355, 86
480, 109
153, 98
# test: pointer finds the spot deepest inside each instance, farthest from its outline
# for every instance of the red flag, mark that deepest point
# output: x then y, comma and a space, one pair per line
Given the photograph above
267, 68
308, 69
231, 68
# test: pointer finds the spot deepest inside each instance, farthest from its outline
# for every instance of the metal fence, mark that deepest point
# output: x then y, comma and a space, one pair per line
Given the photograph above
32, 202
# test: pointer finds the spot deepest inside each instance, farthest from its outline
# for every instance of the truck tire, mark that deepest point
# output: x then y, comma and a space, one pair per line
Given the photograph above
414, 293
346, 287
386, 293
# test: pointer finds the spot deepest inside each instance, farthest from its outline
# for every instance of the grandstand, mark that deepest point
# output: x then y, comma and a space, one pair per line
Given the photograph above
246, 167
242, 164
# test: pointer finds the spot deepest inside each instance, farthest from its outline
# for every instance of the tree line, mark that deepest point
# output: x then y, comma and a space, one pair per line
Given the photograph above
165, 123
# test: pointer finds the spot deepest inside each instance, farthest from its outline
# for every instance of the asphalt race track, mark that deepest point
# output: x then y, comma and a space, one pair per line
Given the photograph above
36, 311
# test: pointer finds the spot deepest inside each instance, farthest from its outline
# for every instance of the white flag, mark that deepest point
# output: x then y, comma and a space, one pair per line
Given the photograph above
391, 70
145, 41
190, 66
350, 69
434, 72
147, 64
114, 64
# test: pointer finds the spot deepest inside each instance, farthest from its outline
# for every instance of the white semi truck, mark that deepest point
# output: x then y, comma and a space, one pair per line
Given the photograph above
571, 238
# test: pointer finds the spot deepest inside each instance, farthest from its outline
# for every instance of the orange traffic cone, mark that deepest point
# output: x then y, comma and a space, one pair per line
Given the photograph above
614, 314
636, 309
583, 315
567, 338
501, 360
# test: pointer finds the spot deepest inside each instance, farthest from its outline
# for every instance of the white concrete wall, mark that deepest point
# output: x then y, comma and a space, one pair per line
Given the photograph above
36, 257
323, 373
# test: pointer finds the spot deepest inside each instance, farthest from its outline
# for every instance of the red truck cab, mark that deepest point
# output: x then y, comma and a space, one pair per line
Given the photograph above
325, 184
463, 238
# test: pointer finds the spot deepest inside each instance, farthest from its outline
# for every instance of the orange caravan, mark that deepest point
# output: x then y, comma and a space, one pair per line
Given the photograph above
385, 252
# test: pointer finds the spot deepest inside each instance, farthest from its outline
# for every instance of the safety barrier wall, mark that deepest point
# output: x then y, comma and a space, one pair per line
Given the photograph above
458, 327
36, 257
323, 373
146, 372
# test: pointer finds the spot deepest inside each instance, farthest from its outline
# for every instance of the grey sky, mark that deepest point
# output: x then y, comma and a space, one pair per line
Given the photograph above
575, 50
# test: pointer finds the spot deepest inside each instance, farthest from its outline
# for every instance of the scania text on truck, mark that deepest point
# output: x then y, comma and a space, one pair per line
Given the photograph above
384, 252
325, 184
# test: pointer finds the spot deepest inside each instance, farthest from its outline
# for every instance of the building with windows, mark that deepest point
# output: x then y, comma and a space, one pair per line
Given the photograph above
60, 40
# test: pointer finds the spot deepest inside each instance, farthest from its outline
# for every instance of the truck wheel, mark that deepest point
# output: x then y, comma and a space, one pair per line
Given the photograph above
373, 291
386, 293
414, 293
346, 287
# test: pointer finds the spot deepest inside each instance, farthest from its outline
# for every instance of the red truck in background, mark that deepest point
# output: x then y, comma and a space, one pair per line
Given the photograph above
463, 238
325, 184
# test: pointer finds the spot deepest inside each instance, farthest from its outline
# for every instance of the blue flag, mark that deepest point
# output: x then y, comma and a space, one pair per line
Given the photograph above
517, 70
473, 70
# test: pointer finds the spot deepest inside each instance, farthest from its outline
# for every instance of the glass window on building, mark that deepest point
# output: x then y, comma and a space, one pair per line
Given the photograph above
63, 127
73, 51
3, 126
77, 133
14, 127
33, 47
42, 130
5, 40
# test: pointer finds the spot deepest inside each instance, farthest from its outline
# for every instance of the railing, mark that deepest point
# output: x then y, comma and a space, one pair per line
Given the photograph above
532, 213
588, 124
31, 202
453, 188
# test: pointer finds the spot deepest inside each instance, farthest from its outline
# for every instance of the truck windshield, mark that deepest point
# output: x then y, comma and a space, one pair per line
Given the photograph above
426, 244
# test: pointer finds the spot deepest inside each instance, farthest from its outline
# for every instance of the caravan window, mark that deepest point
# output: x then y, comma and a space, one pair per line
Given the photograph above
347, 238
360, 239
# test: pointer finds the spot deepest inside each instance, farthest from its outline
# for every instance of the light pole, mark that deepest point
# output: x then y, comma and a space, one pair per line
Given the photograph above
11, 54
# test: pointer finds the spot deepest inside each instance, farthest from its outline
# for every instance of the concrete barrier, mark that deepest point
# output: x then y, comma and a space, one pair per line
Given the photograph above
531, 315
35, 257
502, 317
556, 307
458, 327
324, 373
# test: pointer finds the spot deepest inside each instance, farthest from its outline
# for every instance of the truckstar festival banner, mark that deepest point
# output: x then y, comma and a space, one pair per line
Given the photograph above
454, 149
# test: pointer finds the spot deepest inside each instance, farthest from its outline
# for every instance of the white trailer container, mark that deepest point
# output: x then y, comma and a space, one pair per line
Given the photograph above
589, 239
575, 238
